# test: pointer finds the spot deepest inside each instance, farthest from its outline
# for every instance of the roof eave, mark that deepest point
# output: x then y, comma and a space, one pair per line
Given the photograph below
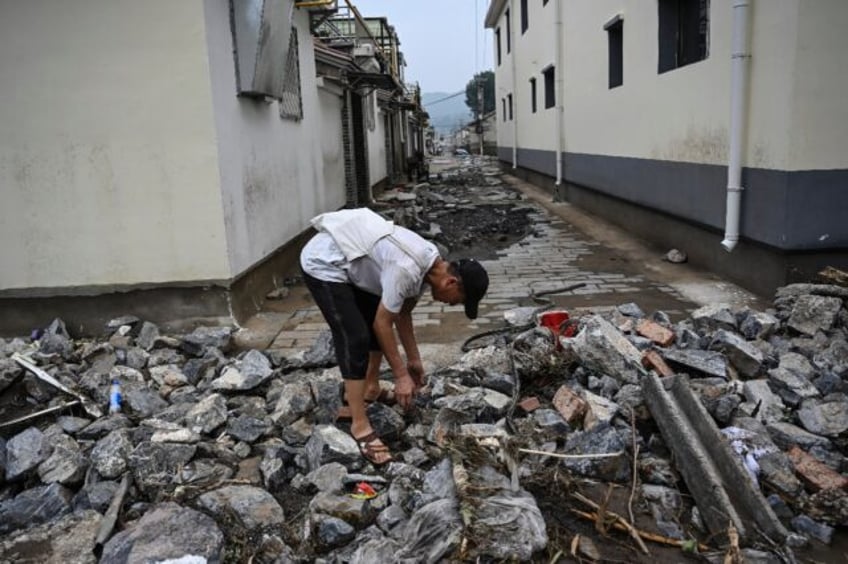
493, 14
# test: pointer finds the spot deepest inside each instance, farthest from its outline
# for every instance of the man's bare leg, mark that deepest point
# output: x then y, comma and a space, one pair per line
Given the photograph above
372, 376
360, 425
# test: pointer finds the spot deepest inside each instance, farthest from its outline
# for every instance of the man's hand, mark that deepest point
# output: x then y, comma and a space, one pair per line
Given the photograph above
404, 390
416, 372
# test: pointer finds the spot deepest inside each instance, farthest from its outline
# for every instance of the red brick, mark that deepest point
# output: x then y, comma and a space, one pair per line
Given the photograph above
529, 404
652, 359
571, 406
655, 332
816, 474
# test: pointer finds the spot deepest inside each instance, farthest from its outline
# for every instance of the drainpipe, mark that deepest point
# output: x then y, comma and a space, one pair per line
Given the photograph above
560, 91
514, 43
738, 97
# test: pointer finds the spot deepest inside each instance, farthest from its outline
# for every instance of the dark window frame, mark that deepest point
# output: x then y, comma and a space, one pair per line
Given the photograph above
549, 73
525, 17
503, 103
509, 105
498, 44
508, 33
615, 51
683, 33
533, 95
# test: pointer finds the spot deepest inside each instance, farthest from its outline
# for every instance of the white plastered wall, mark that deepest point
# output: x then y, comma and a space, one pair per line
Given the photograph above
275, 173
797, 80
377, 146
107, 164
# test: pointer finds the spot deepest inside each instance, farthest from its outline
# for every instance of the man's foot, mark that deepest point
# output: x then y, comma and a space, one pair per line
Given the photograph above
373, 449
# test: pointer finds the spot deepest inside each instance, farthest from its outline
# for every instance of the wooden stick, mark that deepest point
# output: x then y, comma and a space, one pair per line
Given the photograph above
653, 537
571, 456
617, 519
39, 413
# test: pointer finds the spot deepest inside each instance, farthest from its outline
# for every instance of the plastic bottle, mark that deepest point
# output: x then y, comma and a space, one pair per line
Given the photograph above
115, 397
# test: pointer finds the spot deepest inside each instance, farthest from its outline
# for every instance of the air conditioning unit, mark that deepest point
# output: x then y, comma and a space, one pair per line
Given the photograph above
318, 5
261, 32
364, 50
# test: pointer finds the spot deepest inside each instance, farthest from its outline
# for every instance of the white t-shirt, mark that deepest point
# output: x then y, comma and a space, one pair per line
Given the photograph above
387, 271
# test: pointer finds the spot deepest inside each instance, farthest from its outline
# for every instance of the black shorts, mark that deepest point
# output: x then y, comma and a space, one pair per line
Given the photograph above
350, 313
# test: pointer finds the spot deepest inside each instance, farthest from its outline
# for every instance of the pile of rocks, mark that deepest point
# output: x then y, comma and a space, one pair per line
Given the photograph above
226, 455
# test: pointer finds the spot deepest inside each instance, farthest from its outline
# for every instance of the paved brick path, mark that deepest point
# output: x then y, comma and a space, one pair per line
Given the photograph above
553, 256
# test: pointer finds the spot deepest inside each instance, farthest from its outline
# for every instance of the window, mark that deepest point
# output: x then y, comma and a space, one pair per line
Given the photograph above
533, 95
544, 2
550, 89
503, 101
525, 17
684, 31
615, 41
498, 45
291, 106
509, 103
508, 34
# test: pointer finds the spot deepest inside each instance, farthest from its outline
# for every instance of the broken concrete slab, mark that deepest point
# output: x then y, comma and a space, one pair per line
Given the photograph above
716, 478
704, 362
603, 348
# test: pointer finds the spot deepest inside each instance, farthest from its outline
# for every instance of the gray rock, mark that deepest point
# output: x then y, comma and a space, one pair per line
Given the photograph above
826, 418
168, 375
713, 317
631, 309
385, 421
806, 526
786, 435
24, 452
328, 478
550, 422
141, 401
322, 353
167, 532
66, 463
247, 428
391, 517
103, 426
111, 454
509, 525
253, 507
746, 358
68, 539
155, 465
96, 496
34, 507
777, 470
601, 410
147, 335
72, 425
520, 316
197, 341
209, 414
332, 532
814, 313
829, 383
357, 512
9, 372
768, 406
834, 358
330, 444
136, 357
251, 371
294, 401
602, 439
705, 362
791, 379
486, 405
656, 470
758, 325
602, 348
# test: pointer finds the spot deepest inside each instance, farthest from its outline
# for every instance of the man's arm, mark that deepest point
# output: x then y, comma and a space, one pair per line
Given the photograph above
384, 323
406, 332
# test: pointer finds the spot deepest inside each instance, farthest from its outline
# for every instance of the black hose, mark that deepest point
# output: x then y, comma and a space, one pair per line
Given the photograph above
536, 297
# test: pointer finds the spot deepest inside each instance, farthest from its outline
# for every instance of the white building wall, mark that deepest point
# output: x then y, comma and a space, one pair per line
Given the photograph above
272, 170
377, 147
798, 73
107, 163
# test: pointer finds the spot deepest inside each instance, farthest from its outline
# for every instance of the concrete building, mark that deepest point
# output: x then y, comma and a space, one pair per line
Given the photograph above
163, 158
703, 125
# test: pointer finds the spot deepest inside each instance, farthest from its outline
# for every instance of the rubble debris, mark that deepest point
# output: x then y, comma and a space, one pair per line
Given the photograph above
220, 454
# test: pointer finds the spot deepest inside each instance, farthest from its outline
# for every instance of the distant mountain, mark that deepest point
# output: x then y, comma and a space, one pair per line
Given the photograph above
446, 112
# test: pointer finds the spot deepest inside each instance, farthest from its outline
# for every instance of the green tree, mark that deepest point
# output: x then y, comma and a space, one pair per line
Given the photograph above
488, 80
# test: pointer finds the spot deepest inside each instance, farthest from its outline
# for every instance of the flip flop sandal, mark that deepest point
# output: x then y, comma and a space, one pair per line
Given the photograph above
372, 447
386, 397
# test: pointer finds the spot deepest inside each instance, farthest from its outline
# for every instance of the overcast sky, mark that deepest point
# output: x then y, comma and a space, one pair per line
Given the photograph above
438, 39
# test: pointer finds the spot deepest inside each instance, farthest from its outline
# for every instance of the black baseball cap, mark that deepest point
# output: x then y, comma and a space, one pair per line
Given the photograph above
475, 282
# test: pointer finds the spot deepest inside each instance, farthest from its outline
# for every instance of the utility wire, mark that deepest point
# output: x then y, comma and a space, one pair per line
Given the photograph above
461, 92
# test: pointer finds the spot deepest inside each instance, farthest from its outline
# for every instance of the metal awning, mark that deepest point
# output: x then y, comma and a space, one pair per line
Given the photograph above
374, 79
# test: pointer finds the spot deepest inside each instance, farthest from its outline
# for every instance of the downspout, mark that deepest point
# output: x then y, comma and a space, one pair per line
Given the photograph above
738, 118
560, 90
514, 109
